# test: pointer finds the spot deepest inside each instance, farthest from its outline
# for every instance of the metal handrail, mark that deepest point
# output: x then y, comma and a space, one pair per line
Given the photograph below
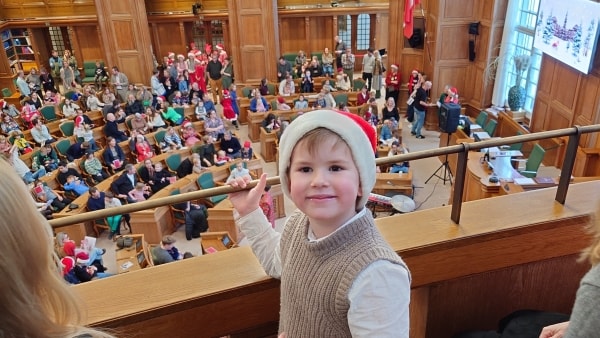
574, 134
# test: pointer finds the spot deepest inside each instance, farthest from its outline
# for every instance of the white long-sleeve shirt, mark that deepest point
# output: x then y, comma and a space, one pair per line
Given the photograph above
379, 295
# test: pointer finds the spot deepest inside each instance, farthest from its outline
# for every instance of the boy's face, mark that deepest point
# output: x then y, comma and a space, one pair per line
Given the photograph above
324, 184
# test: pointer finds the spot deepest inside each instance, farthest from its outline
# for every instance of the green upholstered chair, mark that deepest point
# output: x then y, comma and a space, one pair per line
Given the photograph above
6, 92
89, 71
517, 146
290, 57
490, 127
159, 137
49, 113
246, 91
271, 88
481, 118
534, 161
62, 146
318, 54
358, 84
177, 215
173, 161
67, 128
180, 111
206, 181
341, 98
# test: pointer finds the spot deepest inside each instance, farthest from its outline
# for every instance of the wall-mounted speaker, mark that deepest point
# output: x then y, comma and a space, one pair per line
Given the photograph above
449, 116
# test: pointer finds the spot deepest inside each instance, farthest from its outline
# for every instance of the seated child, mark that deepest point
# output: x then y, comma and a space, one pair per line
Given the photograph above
75, 185
222, 158
200, 111
22, 144
247, 151
238, 171
140, 193
307, 83
100, 75
301, 103
281, 105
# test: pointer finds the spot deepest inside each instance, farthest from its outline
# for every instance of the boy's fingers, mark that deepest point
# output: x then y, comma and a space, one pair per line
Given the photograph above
262, 183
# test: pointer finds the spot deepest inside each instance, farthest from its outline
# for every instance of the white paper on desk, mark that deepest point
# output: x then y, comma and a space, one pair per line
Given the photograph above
524, 181
438, 104
126, 265
475, 126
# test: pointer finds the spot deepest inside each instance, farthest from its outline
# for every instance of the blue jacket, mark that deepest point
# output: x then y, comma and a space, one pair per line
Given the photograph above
253, 104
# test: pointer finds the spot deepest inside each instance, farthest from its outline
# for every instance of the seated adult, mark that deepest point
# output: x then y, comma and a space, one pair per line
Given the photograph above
21, 168
231, 145
166, 252
111, 128
189, 134
77, 150
287, 86
238, 171
99, 200
64, 171
208, 153
169, 114
208, 104
186, 166
139, 123
69, 109
271, 123
40, 132
111, 108
398, 149
35, 101
315, 69
370, 112
214, 126
196, 219
133, 106
45, 194
363, 96
113, 155
342, 81
9, 125
28, 114
258, 104
146, 171
47, 158
125, 183
386, 136
142, 148
94, 168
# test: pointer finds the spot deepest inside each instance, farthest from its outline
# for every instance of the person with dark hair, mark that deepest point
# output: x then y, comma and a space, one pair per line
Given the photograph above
125, 183
284, 68
64, 172
120, 82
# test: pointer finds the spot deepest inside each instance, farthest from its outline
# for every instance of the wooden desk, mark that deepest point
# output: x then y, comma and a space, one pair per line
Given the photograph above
390, 183
132, 258
211, 242
477, 184
268, 145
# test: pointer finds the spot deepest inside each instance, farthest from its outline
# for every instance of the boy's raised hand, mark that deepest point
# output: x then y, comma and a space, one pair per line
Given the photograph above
247, 201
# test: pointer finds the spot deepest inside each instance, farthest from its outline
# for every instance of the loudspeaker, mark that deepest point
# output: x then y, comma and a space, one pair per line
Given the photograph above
471, 50
449, 116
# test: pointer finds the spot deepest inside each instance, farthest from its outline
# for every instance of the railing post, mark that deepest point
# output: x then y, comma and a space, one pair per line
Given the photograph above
459, 182
567, 167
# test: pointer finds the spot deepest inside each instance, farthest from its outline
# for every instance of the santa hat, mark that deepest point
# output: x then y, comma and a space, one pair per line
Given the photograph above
415, 71
180, 56
247, 144
3, 104
83, 258
78, 121
67, 263
454, 90
161, 98
340, 70
280, 99
358, 134
395, 66
198, 53
190, 54
187, 124
171, 55
220, 46
208, 48
69, 248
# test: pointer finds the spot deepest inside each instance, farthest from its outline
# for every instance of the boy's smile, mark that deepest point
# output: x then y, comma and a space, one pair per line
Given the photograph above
324, 184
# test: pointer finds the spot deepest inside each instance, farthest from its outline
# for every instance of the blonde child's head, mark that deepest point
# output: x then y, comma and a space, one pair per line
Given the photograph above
221, 153
140, 186
336, 130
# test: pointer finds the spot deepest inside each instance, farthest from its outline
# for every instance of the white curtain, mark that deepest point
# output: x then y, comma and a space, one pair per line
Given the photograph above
500, 93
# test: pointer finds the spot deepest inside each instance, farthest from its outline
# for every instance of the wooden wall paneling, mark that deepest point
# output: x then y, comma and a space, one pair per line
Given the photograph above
395, 20
454, 75
168, 37
382, 32
587, 103
176, 6
321, 34
88, 43
27, 10
565, 85
259, 46
454, 42
294, 35
457, 9
125, 35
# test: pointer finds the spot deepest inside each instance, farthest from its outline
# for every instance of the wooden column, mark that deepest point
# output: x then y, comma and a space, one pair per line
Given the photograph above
254, 33
126, 37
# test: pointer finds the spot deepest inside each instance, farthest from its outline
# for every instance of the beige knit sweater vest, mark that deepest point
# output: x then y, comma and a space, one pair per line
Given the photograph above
316, 277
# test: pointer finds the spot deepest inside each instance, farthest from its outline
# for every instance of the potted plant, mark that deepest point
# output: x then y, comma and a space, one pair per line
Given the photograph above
516, 93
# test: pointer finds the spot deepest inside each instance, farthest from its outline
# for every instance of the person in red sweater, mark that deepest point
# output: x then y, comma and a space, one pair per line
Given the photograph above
392, 83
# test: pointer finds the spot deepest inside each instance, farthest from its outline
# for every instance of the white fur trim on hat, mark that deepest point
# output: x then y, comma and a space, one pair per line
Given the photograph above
347, 129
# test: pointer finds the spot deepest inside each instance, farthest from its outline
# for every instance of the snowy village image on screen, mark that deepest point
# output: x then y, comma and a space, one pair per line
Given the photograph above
568, 31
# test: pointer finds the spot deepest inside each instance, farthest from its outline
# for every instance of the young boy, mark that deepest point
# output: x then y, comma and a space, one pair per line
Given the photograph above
338, 275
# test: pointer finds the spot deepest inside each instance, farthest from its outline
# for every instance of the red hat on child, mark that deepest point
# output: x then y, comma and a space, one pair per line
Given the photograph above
83, 258
358, 134
69, 248
219, 46
68, 263
247, 144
